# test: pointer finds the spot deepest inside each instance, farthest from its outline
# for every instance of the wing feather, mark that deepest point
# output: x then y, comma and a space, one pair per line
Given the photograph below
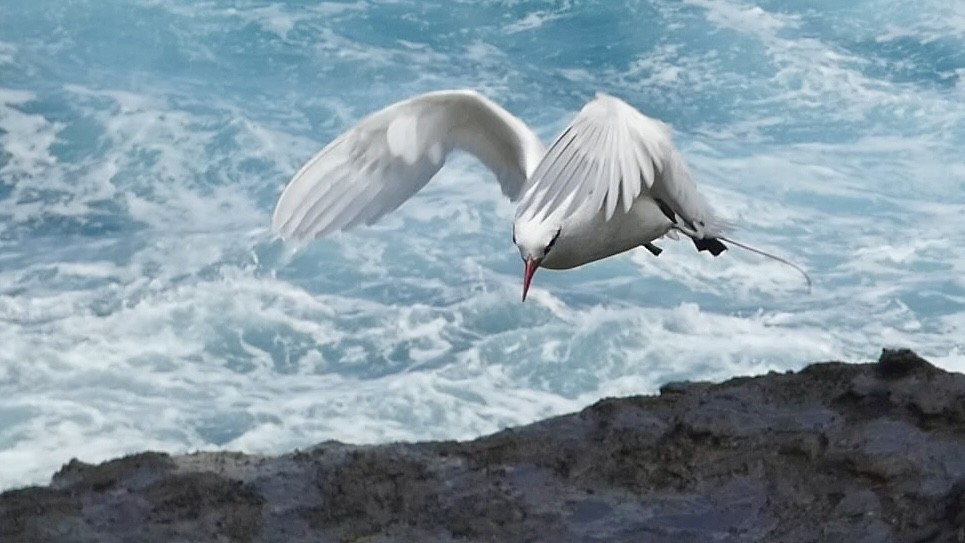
605, 159
379, 163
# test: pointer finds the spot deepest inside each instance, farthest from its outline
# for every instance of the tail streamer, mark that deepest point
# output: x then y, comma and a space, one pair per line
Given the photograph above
766, 254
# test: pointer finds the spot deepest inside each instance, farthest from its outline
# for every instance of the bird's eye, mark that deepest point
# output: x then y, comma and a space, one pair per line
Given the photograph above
514, 234
552, 241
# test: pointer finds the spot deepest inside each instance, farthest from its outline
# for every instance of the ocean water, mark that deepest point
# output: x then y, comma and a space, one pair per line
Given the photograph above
145, 304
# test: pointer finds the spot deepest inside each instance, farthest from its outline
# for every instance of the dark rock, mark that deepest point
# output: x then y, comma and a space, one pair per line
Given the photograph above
38, 514
836, 452
134, 471
899, 363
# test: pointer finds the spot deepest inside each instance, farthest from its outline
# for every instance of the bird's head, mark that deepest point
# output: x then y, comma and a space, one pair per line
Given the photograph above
534, 241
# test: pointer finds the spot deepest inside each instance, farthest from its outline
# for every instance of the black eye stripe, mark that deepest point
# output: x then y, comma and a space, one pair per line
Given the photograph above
556, 237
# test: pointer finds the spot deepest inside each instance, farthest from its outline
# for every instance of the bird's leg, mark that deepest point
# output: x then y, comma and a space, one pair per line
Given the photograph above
653, 249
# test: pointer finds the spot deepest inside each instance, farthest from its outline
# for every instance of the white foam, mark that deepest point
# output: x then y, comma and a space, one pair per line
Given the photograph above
745, 18
24, 138
532, 20
8, 53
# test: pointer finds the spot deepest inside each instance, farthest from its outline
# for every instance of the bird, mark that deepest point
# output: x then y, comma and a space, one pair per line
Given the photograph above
612, 181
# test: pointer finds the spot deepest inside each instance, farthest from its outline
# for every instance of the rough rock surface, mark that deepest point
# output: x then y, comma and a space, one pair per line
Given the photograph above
836, 452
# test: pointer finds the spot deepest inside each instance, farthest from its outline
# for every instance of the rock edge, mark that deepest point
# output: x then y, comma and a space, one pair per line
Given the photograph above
834, 452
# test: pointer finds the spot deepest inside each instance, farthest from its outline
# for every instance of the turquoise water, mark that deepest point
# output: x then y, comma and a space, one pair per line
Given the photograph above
144, 304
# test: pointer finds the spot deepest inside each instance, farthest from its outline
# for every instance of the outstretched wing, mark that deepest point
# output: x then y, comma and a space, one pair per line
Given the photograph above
379, 163
605, 159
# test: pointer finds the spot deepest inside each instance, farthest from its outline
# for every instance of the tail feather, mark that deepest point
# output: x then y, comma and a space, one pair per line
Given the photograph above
715, 246
784, 261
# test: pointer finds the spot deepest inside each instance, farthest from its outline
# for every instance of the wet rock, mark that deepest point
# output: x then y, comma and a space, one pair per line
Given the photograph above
835, 452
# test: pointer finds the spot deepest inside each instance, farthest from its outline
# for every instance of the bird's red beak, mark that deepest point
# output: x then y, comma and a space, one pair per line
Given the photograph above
528, 271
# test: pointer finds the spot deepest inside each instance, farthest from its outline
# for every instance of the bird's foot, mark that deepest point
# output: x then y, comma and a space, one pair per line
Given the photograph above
653, 249
713, 245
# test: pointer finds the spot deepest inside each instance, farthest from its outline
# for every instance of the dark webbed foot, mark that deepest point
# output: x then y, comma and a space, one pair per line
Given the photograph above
710, 244
653, 249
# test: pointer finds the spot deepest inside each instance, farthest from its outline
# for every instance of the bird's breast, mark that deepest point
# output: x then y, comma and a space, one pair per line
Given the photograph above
588, 237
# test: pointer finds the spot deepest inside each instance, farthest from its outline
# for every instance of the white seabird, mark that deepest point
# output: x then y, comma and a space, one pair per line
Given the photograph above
612, 181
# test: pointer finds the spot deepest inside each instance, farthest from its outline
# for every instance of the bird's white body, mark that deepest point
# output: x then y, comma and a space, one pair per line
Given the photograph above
611, 182
600, 185
580, 234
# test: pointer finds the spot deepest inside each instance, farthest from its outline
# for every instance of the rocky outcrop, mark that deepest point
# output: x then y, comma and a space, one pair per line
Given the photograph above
836, 452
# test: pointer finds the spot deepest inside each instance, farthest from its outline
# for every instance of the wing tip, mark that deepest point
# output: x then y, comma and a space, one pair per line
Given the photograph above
282, 214
603, 97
